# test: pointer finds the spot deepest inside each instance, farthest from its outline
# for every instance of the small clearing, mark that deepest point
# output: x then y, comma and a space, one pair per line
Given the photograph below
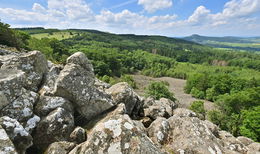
176, 86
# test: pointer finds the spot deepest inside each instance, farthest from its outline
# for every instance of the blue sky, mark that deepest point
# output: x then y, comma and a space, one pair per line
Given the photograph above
153, 17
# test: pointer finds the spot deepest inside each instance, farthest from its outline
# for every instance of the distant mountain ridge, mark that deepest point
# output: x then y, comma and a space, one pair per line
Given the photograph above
231, 42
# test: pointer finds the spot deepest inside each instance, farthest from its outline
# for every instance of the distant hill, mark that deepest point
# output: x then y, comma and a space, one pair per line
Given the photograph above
230, 42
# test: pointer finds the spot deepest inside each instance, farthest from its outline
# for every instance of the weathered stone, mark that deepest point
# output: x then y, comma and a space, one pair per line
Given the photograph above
123, 93
182, 112
80, 59
21, 108
50, 79
246, 141
57, 126
140, 126
78, 135
231, 143
159, 131
33, 64
212, 127
62, 147
253, 148
76, 83
16, 132
6, 145
158, 108
101, 85
46, 104
191, 135
154, 112
3, 100
116, 133
11, 83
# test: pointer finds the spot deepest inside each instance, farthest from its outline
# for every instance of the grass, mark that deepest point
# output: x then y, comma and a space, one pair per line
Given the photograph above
57, 35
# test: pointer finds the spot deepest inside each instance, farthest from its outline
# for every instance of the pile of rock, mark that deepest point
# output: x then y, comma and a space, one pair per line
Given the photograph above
46, 107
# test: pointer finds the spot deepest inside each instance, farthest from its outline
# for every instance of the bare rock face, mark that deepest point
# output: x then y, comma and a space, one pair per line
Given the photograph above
6, 145
16, 132
78, 135
101, 85
254, 148
116, 133
76, 83
50, 79
33, 64
46, 104
159, 108
62, 147
191, 135
232, 143
11, 84
159, 131
56, 126
21, 108
182, 112
123, 93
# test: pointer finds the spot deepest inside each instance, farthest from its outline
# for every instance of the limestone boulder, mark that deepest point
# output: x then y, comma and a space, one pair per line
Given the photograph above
62, 147
56, 126
21, 139
6, 145
123, 93
116, 133
46, 104
33, 64
11, 84
159, 131
78, 135
76, 83
21, 108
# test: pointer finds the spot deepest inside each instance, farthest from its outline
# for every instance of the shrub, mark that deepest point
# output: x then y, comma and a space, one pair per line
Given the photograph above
159, 90
197, 93
129, 79
198, 107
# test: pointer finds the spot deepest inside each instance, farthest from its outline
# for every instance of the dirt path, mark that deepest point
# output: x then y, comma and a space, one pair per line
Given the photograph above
175, 85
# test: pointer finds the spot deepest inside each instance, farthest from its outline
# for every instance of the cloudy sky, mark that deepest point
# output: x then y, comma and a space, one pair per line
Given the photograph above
157, 17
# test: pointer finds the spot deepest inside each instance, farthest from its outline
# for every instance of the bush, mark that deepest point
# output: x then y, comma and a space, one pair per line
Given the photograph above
159, 90
197, 93
129, 79
198, 107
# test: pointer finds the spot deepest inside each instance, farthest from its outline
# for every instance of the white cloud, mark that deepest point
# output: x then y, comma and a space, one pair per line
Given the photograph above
38, 8
154, 5
236, 18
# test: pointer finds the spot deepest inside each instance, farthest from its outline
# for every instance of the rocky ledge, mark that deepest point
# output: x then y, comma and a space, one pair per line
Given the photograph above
50, 108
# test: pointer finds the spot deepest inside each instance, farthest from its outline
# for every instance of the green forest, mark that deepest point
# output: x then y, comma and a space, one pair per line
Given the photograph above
229, 78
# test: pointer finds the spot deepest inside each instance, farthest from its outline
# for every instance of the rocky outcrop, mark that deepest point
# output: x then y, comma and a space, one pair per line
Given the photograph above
76, 83
51, 108
123, 93
116, 133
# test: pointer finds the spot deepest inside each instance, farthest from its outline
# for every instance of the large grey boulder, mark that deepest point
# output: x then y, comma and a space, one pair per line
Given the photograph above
191, 135
11, 84
46, 104
159, 131
21, 108
253, 148
62, 147
6, 145
50, 79
56, 126
76, 83
123, 93
16, 132
232, 143
33, 64
159, 108
116, 133
78, 135
3, 100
